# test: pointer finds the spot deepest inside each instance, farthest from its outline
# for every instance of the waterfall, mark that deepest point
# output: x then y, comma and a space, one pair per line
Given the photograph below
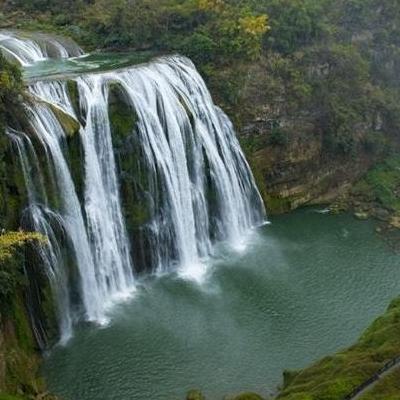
27, 50
102, 276
189, 146
43, 218
180, 162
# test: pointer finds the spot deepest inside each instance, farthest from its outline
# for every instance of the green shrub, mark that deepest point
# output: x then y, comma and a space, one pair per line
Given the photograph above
382, 184
11, 274
199, 47
278, 137
10, 89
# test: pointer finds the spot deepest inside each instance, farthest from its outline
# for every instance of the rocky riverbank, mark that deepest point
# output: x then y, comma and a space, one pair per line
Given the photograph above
376, 195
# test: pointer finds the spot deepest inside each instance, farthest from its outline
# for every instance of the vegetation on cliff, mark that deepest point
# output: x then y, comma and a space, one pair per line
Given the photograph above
335, 376
281, 62
279, 67
197, 395
10, 90
324, 98
10, 103
381, 186
312, 85
11, 273
377, 195
210, 30
19, 359
11, 241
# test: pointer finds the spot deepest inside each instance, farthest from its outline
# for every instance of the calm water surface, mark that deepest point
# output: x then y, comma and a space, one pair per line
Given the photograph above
88, 63
306, 285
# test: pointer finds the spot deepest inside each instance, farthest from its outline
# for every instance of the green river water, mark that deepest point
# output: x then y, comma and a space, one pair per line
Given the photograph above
90, 63
305, 286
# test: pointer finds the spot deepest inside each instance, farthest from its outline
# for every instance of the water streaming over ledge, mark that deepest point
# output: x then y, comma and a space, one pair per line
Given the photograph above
189, 175
27, 49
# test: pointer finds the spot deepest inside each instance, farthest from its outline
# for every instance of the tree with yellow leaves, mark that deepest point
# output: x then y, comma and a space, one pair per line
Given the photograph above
237, 32
11, 272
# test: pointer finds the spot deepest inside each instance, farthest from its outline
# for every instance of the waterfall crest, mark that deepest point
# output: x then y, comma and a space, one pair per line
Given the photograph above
155, 198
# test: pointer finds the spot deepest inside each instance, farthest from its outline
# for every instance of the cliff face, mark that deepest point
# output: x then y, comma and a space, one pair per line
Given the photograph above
298, 170
19, 362
300, 173
19, 355
27, 310
310, 129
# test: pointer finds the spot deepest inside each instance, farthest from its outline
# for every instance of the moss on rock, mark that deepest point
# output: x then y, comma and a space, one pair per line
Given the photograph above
133, 176
122, 116
4, 396
73, 93
195, 395
276, 204
19, 357
381, 185
12, 185
69, 124
288, 376
335, 376
76, 160
248, 396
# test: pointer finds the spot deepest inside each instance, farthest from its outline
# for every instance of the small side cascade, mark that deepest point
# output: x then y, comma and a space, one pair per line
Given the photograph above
27, 50
43, 220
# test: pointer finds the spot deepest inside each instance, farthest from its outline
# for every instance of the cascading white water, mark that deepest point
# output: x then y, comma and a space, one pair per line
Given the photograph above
101, 279
38, 47
105, 228
49, 131
42, 218
190, 176
104, 269
180, 132
102, 202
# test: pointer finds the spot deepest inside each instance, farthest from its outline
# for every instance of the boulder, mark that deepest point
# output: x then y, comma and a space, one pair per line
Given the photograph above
195, 395
361, 215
